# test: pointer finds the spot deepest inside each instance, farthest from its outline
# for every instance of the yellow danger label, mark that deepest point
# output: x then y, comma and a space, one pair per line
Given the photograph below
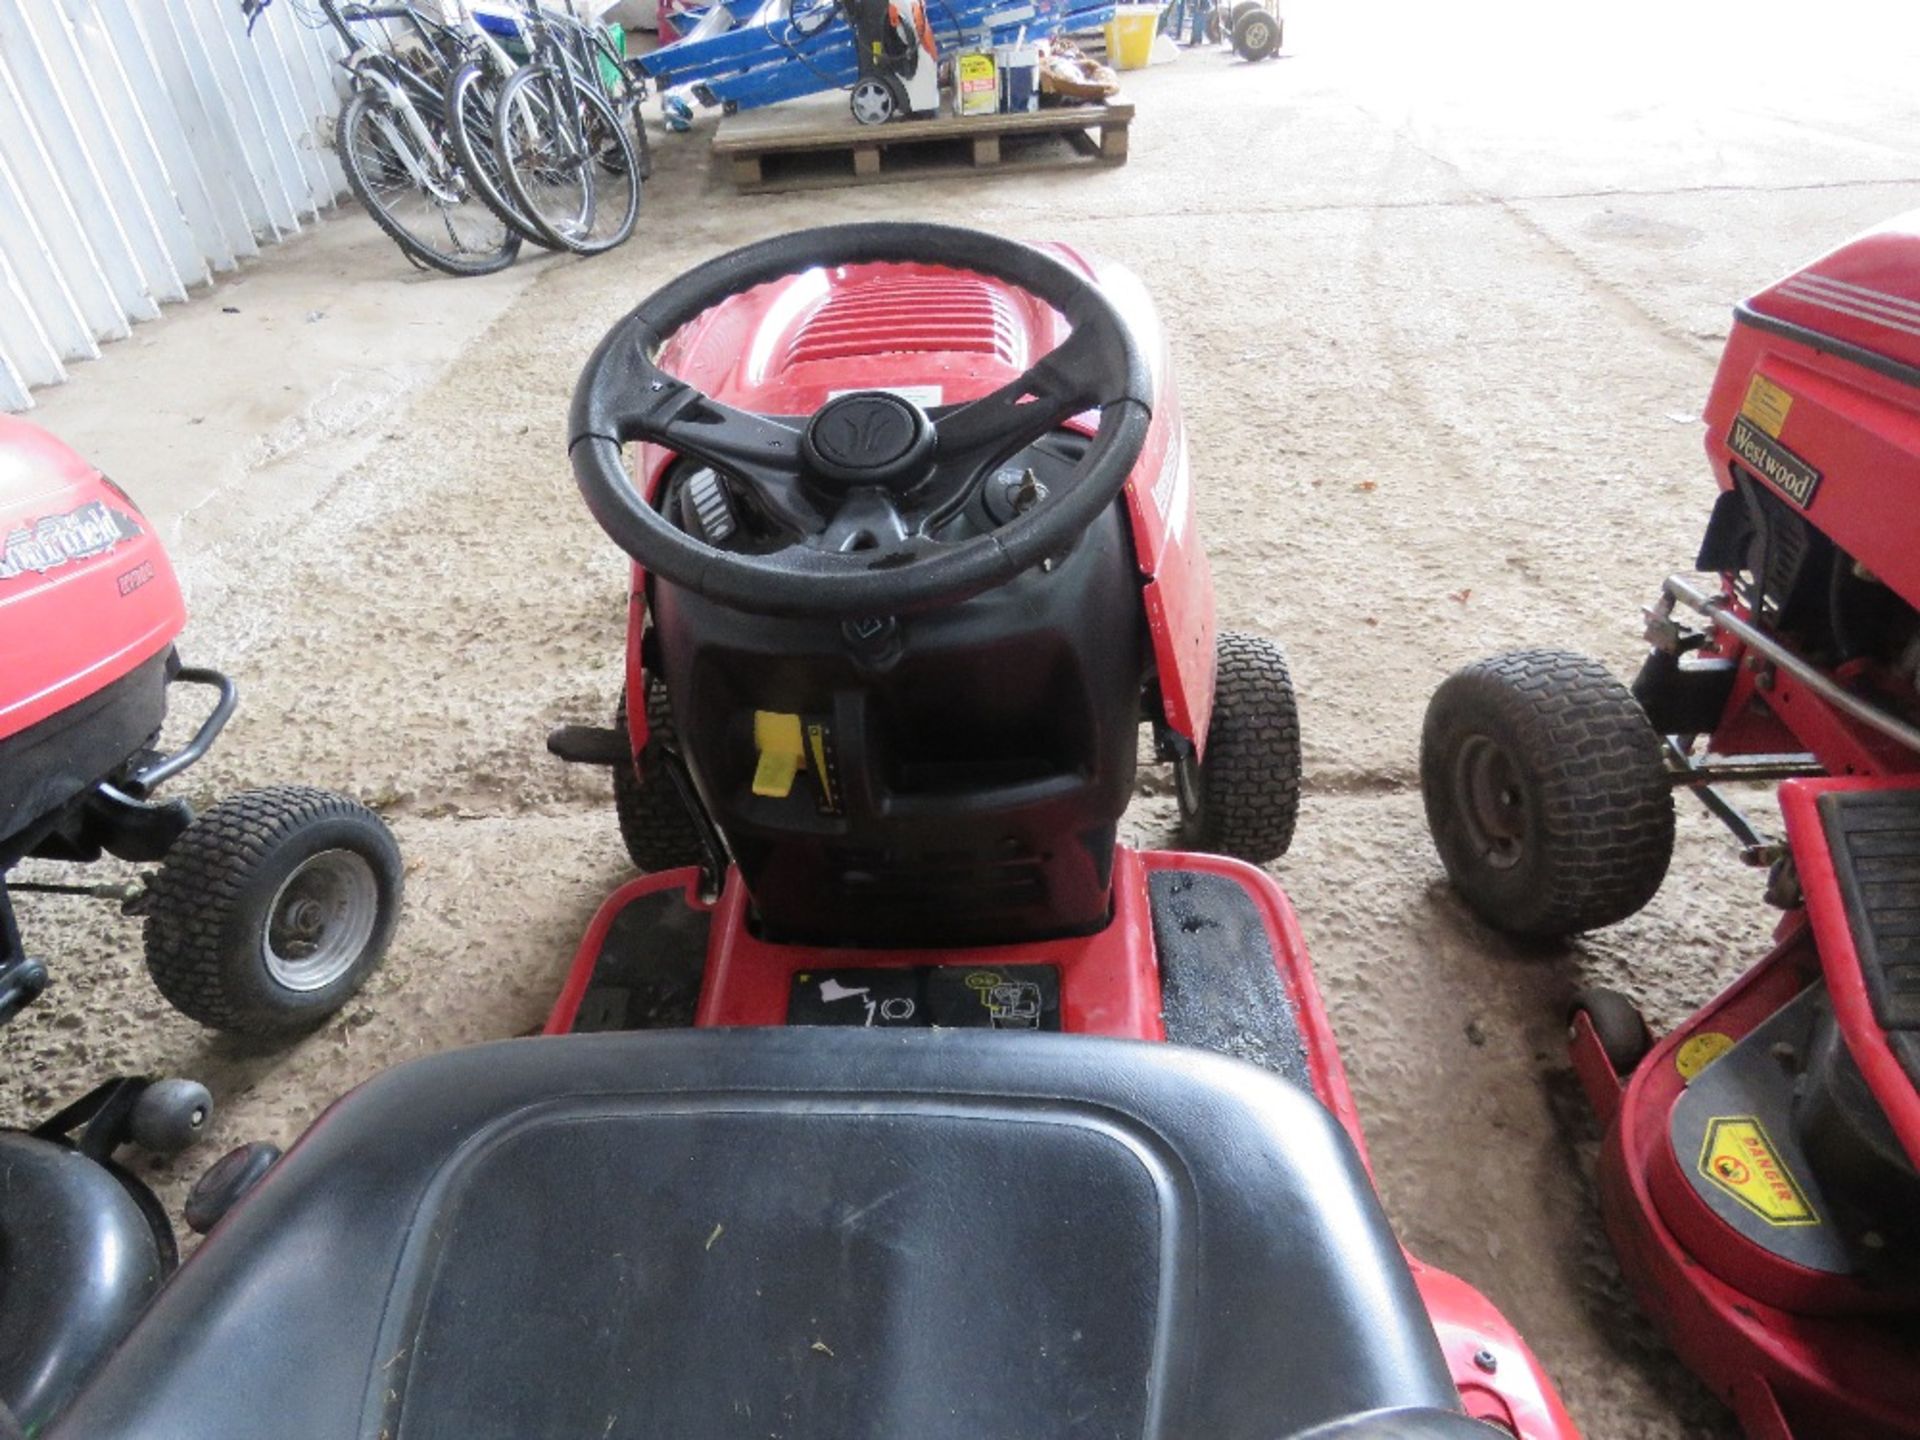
1700, 1051
1766, 405
1739, 1158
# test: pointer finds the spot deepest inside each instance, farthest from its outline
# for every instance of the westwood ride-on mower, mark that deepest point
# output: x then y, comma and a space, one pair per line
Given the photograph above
1758, 1175
263, 916
915, 557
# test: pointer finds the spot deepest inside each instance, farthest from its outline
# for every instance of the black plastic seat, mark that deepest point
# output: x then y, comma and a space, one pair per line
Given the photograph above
814, 1234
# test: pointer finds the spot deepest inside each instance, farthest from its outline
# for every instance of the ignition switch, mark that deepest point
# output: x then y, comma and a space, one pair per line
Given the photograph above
1012, 493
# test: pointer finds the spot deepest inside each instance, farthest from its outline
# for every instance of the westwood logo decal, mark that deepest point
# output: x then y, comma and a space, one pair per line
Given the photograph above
56, 540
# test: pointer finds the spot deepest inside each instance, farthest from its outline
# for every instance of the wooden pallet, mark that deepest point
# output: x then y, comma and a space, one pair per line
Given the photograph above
815, 143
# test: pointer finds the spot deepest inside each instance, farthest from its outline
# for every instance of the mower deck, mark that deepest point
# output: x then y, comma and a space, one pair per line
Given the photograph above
1765, 1283
1201, 951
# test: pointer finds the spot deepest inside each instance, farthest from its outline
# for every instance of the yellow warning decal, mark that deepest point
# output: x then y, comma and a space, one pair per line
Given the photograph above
1739, 1158
777, 738
1700, 1051
1766, 405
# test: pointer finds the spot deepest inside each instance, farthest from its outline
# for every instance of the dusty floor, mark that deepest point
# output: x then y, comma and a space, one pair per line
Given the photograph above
1446, 294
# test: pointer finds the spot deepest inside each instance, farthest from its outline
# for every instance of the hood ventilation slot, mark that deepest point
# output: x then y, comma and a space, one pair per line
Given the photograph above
922, 315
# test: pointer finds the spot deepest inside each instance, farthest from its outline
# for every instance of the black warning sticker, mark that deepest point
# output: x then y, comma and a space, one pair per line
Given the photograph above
985, 997
1773, 462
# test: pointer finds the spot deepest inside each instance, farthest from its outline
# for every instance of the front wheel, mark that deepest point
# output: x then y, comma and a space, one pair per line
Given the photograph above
1256, 34
473, 103
271, 910
658, 831
1244, 797
1546, 793
567, 161
877, 99
428, 207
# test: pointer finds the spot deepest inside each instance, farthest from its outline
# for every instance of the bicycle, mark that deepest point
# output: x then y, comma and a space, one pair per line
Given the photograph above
561, 145
390, 137
473, 102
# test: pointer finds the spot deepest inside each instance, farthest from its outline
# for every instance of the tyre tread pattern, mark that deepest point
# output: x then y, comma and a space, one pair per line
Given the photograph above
1251, 770
1607, 807
197, 892
658, 832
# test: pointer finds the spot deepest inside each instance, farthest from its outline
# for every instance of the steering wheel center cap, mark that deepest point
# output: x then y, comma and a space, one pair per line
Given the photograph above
871, 437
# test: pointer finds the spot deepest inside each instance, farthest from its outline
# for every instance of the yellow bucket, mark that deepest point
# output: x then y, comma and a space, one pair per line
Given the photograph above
1130, 36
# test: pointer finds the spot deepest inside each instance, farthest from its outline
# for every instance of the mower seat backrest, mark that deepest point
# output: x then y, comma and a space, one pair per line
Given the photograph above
820, 1234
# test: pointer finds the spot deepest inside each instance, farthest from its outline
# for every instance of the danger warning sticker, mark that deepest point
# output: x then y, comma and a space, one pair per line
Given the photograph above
1739, 1158
1766, 405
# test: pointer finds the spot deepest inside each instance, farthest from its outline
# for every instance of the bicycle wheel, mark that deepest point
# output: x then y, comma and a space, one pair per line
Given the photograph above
560, 160
428, 209
473, 102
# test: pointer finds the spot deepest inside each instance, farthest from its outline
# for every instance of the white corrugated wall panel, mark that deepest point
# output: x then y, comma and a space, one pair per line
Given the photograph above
146, 145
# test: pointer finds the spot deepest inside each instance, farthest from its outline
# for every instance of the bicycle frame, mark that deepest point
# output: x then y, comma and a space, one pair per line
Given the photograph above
405, 90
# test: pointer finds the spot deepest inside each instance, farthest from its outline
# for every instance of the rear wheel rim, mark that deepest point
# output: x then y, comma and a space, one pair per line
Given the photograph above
1490, 802
1259, 36
321, 920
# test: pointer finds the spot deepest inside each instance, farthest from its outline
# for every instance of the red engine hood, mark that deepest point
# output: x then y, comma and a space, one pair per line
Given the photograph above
943, 336
86, 592
1866, 293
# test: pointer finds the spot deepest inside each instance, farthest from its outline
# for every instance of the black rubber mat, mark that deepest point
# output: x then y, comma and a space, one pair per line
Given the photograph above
647, 975
1219, 988
1874, 836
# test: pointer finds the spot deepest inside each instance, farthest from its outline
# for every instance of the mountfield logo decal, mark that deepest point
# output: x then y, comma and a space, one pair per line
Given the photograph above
57, 540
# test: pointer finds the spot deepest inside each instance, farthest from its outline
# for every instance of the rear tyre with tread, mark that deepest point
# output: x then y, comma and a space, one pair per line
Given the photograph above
658, 832
1546, 793
271, 910
1243, 799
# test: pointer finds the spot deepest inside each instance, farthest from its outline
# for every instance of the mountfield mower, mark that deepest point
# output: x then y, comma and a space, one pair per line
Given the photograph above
266, 913
915, 559
1759, 1171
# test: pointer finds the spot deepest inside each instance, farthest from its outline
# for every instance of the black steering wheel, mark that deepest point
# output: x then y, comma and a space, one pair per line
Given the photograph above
862, 485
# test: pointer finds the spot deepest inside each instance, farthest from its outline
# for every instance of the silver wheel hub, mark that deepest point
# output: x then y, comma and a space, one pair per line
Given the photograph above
321, 920
872, 103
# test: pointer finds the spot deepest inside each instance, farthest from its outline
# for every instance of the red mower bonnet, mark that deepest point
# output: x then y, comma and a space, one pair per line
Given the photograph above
86, 592
1865, 293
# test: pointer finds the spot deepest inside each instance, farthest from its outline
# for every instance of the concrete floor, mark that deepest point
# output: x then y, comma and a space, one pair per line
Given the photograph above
1445, 290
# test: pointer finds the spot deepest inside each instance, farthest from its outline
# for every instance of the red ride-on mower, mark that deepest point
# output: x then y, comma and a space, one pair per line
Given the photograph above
264, 914
915, 549
1758, 1176
916, 556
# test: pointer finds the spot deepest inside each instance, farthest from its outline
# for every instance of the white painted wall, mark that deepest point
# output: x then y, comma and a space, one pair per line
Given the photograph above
145, 147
